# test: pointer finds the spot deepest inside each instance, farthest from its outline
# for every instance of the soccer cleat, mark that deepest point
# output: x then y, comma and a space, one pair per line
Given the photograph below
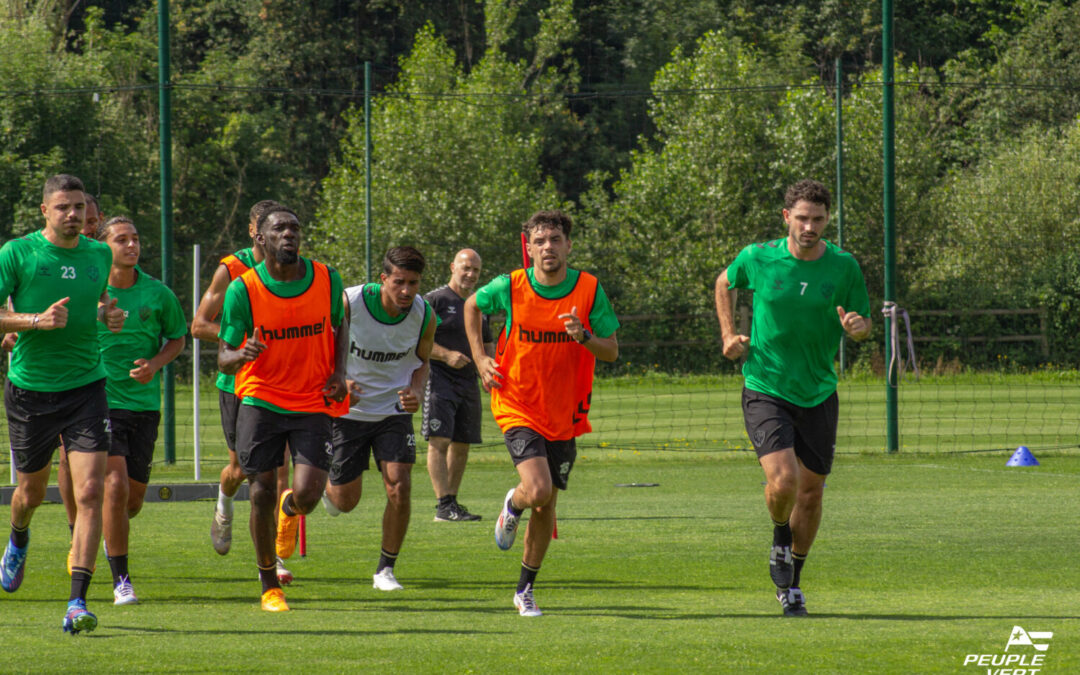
78, 618
221, 532
274, 601
331, 510
385, 580
12, 566
525, 604
124, 593
453, 513
284, 576
287, 528
792, 600
506, 525
781, 569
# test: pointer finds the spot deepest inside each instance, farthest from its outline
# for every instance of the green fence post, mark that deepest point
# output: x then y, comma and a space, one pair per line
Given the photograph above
889, 204
840, 183
165, 144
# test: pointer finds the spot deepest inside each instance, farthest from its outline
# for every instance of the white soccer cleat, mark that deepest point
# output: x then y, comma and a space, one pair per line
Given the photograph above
284, 576
385, 580
221, 532
506, 524
123, 593
331, 510
525, 604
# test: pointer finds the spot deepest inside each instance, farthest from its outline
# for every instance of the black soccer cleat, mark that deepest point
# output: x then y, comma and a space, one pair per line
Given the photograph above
792, 600
781, 569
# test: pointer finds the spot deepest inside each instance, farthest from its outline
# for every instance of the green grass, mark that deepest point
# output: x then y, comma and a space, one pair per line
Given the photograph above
920, 561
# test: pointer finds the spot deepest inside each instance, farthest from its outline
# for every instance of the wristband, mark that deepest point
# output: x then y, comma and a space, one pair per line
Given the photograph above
585, 336
33, 322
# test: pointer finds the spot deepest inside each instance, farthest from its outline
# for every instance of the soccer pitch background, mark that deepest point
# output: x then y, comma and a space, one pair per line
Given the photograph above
924, 558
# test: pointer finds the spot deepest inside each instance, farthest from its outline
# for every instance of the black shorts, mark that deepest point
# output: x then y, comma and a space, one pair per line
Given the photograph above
263, 435
392, 440
230, 405
774, 424
452, 410
39, 420
133, 436
524, 443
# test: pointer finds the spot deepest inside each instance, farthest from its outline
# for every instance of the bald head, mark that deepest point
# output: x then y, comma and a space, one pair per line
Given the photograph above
465, 272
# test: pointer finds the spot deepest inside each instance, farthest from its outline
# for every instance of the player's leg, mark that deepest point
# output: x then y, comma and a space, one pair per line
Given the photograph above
115, 524
63, 484
352, 452
134, 436
437, 466
394, 446
283, 573
310, 443
28, 495
437, 427
232, 475
466, 432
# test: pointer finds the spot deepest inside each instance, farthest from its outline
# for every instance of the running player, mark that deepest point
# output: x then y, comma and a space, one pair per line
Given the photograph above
558, 322
452, 411
133, 359
807, 294
391, 332
55, 388
284, 336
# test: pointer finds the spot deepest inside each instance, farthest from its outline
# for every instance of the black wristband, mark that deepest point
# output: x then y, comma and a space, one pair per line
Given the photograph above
585, 336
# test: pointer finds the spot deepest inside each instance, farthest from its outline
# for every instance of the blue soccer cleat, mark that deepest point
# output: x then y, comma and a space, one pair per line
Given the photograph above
12, 567
78, 618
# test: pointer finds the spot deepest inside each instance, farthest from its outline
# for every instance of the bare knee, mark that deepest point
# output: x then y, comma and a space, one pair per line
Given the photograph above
398, 491
536, 495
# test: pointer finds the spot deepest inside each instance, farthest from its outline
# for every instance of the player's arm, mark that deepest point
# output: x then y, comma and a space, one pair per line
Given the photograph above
237, 323
734, 343
145, 370
410, 398
485, 365
109, 314
450, 357
20, 322
337, 388
855, 325
605, 349
205, 324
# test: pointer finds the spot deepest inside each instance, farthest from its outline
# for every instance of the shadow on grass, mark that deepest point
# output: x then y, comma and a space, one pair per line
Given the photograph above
291, 630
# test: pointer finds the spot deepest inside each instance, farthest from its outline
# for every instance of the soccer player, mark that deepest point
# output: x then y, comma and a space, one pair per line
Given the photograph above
558, 322
284, 336
452, 400
391, 331
205, 327
133, 360
55, 388
807, 294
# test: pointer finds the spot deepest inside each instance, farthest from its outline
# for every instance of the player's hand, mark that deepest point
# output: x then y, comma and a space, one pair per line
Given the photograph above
142, 372
573, 324
490, 376
8, 343
457, 360
408, 400
254, 345
55, 316
336, 388
354, 391
114, 316
858, 327
735, 346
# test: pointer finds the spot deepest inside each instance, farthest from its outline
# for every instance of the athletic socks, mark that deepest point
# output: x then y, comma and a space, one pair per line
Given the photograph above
781, 534
288, 506
80, 583
799, 559
446, 500
20, 537
268, 577
119, 566
510, 505
527, 578
386, 559
224, 504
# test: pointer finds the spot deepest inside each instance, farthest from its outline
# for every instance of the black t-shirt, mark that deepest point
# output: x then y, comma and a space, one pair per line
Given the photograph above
450, 333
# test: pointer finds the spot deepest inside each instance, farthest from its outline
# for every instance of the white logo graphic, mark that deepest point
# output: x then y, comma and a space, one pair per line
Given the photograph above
435, 424
517, 445
410, 440
564, 469
329, 449
1025, 639
451, 309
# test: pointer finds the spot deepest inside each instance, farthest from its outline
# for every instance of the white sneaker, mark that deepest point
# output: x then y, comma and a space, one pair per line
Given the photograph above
525, 604
385, 580
332, 510
221, 532
284, 576
506, 525
124, 594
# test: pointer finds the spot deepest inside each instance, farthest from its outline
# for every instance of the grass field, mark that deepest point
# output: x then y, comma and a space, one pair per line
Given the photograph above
920, 562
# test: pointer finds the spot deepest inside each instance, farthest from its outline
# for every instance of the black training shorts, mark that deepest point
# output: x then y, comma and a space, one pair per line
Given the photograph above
774, 424
524, 443
134, 433
452, 410
262, 436
391, 438
230, 405
39, 420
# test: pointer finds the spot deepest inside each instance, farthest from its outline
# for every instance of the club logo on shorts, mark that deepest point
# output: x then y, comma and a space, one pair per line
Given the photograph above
435, 424
759, 438
329, 449
517, 445
564, 470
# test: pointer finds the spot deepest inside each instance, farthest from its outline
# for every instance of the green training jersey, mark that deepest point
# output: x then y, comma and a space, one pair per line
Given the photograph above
35, 273
495, 296
246, 257
151, 313
236, 320
796, 330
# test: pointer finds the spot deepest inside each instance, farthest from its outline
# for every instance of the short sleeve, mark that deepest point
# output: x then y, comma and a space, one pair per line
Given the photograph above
337, 288
857, 299
9, 271
495, 295
236, 322
738, 272
602, 317
173, 323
